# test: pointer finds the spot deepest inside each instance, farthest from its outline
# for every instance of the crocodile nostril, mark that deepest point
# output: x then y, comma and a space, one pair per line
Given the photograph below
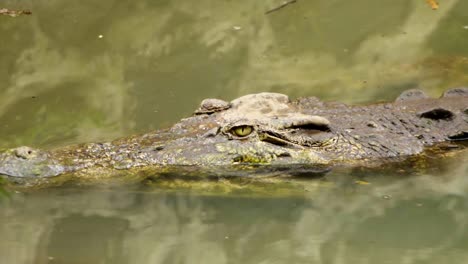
23, 152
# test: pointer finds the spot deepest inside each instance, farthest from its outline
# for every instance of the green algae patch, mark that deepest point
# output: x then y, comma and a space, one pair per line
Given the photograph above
239, 187
252, 159
235, 180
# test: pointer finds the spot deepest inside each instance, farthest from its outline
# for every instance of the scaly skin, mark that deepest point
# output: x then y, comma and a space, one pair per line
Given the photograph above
265, 128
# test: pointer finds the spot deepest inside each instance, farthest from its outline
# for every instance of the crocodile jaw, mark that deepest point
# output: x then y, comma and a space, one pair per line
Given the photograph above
220, 151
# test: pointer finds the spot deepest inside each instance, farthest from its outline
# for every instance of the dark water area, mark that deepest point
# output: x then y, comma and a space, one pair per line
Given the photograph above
90, 71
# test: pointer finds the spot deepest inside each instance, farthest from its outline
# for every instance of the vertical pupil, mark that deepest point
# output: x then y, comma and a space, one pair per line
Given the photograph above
242, 131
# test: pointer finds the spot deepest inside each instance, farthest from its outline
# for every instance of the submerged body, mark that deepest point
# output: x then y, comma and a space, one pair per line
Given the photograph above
265, 128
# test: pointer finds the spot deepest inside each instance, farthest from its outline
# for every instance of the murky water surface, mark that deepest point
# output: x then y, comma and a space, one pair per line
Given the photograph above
95, 70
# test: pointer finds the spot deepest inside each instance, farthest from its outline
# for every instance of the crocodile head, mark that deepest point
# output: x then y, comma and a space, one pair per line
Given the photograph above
260, 128
29, 162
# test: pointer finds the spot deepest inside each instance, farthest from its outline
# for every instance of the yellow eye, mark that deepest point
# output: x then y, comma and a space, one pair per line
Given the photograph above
242, 131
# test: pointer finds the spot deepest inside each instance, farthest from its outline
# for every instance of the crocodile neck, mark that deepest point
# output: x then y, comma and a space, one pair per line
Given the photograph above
392, 129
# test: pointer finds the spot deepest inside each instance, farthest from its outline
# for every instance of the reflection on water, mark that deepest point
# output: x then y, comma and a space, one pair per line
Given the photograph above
86, 71
93, 70
408, 220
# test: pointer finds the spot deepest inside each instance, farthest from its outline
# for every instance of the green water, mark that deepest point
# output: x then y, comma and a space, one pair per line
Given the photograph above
87, 70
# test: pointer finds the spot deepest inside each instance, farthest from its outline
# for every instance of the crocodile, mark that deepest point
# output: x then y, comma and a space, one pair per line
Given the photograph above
264, 129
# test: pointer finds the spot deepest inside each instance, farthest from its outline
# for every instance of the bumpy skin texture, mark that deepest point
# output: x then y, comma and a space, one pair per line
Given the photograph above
265, 128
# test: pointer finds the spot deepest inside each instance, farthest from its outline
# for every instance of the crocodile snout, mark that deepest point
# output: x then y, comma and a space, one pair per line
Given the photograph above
28, 162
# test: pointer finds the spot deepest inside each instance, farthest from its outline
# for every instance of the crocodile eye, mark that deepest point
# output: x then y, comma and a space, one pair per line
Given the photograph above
242, 131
